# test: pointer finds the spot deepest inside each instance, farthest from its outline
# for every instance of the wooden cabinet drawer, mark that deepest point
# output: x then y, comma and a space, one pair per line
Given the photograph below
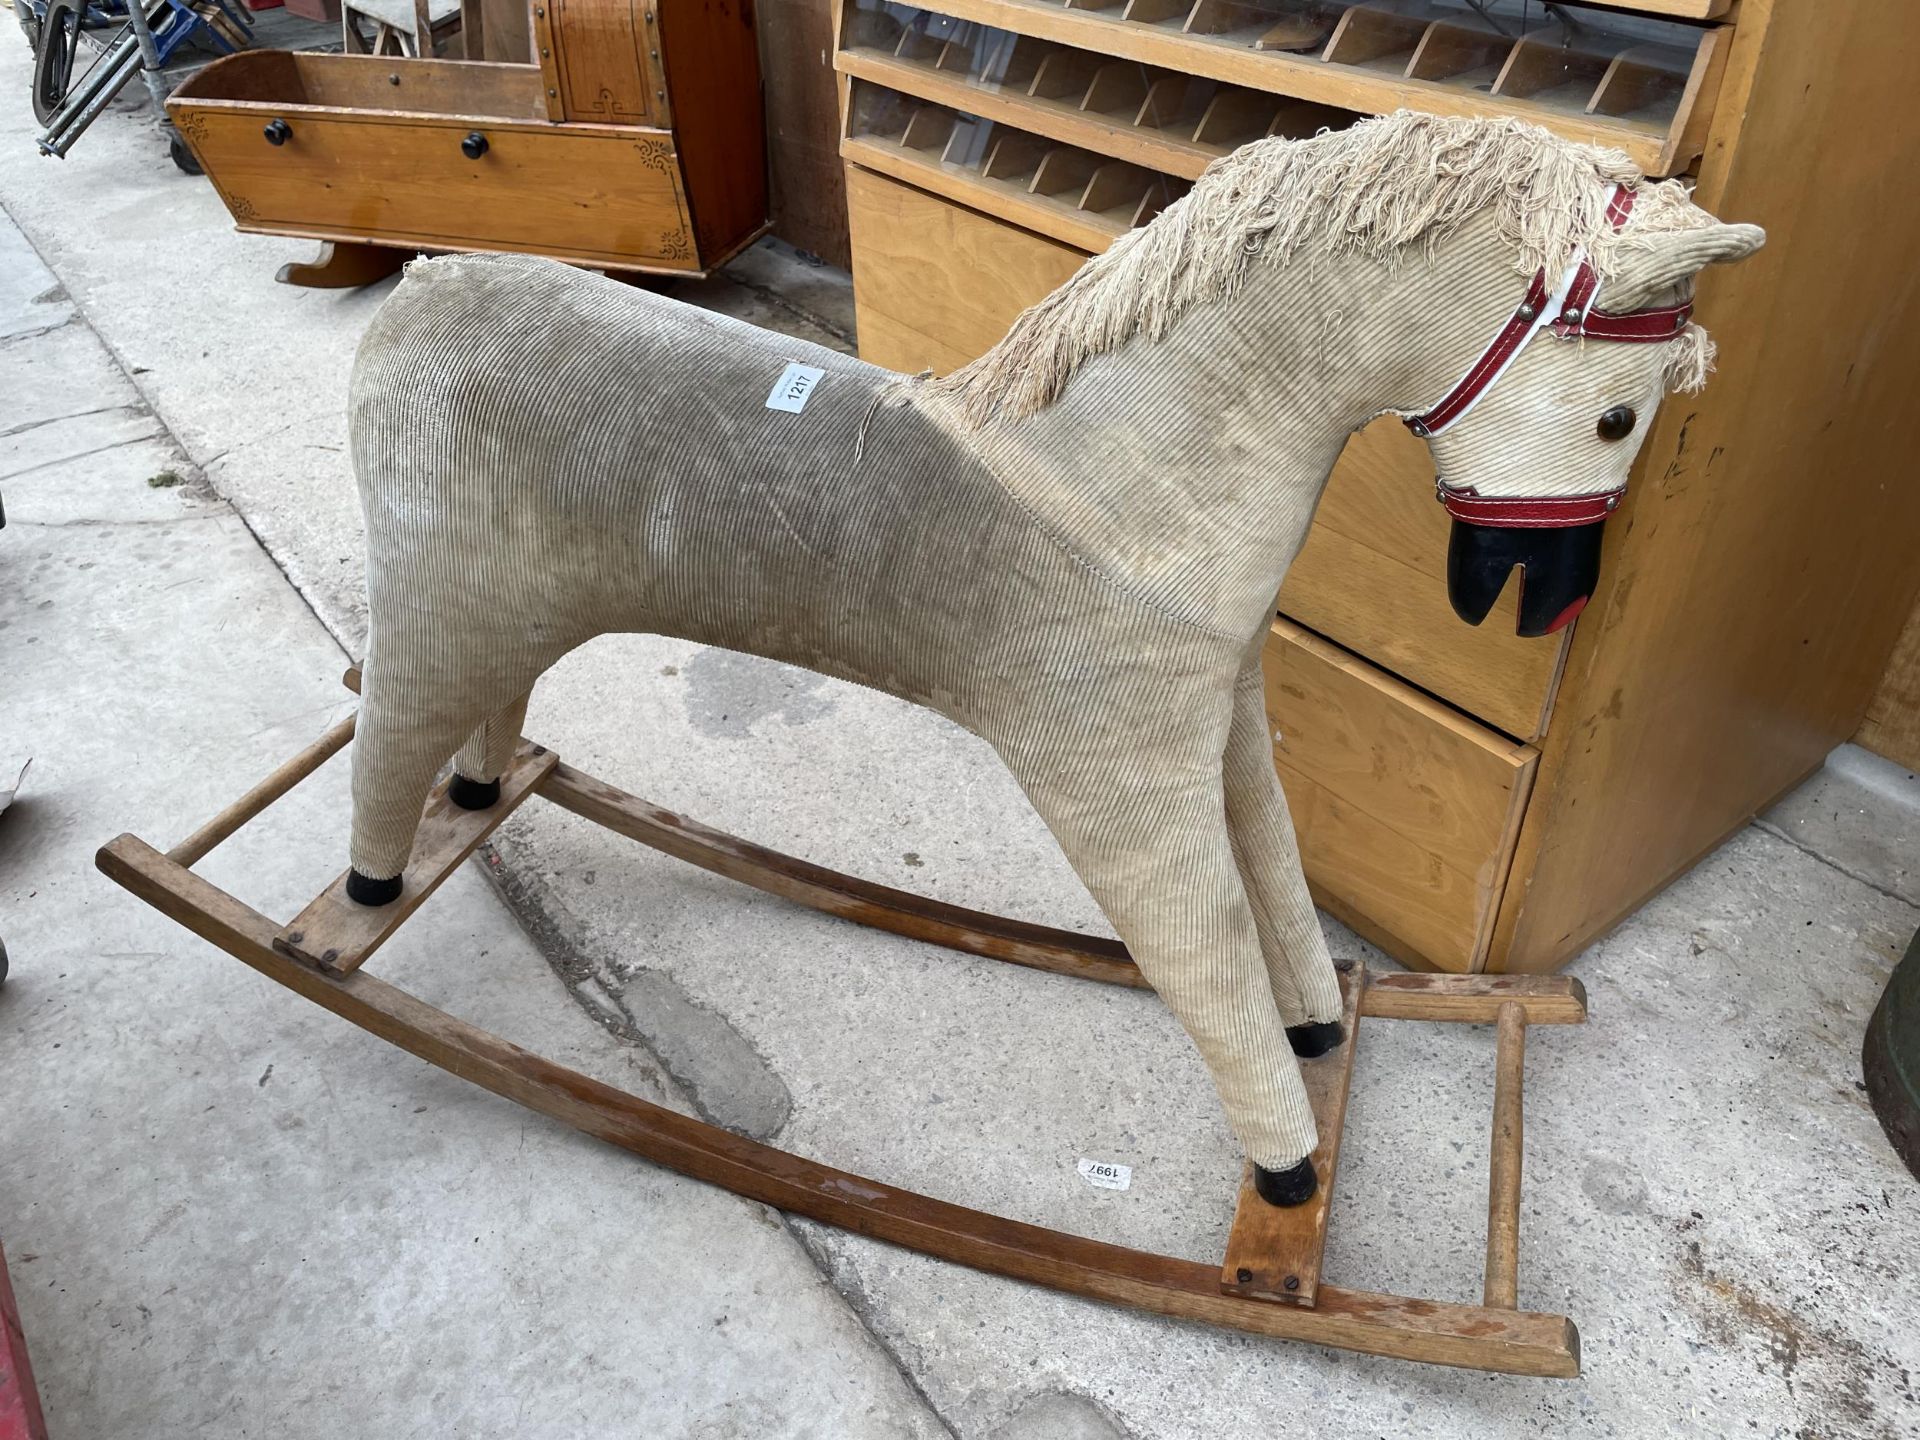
936, 284
1407, 811
1373, 576
399, 175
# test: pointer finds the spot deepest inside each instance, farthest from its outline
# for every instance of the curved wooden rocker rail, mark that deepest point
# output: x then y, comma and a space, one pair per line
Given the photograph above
1494, 1336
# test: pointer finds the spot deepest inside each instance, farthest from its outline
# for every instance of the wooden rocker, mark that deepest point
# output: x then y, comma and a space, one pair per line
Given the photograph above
1269, 1282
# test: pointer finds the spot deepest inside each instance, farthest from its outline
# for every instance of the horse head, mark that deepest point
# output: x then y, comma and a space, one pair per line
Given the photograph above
1303, 289
1534, 444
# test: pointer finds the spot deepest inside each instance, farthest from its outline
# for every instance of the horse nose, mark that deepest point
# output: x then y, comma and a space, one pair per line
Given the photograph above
1559, 567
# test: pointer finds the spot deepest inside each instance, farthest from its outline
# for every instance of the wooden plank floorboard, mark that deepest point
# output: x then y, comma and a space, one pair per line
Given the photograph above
338, 934
1274, 1252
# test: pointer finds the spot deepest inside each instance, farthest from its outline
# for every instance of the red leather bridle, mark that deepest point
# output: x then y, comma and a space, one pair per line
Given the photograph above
1567, 309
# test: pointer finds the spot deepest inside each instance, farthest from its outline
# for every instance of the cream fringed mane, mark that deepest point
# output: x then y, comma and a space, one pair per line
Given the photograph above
1380, 188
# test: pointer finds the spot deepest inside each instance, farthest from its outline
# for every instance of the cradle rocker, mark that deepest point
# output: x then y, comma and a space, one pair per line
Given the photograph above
1269, 1280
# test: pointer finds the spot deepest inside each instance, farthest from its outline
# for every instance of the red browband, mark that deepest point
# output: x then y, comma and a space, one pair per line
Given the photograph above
1568, 311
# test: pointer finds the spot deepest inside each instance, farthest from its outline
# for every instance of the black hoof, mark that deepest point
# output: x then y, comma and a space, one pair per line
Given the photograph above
1286, 1188
473, 794
1316, 1039
363, 891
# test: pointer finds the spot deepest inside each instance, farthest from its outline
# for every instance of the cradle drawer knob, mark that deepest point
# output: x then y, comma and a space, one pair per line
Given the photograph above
278, 132
474, 146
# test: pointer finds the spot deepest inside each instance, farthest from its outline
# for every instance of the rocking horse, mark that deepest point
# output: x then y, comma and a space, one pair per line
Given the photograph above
1069, 547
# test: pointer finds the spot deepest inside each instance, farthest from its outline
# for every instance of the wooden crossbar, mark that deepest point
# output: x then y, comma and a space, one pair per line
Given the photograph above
1476, 999
196, 847
1503, 1164
1274, 1253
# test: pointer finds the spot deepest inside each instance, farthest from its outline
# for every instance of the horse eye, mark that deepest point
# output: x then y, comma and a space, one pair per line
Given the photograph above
1617, 423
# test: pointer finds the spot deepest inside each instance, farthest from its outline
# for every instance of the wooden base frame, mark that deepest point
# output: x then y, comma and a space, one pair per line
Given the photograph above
1267, 1249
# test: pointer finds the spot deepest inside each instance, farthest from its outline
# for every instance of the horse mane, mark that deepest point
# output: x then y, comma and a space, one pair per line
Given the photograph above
1381, 188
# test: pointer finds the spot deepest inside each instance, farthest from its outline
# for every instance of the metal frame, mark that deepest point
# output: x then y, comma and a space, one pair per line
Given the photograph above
153, 31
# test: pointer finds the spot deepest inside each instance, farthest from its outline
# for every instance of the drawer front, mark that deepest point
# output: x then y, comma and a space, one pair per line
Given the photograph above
603, 196
1407, 811
1373, 576
935, 284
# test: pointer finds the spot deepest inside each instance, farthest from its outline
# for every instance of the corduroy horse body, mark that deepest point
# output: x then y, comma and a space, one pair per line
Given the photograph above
1071, 547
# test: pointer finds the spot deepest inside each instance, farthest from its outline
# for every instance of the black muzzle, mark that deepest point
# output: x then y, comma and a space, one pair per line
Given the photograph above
1559, 568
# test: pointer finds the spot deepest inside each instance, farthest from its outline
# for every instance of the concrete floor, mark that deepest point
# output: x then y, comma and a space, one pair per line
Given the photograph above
246, 1218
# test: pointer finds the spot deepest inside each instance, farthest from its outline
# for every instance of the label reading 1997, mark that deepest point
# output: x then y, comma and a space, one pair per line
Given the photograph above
1105, 1175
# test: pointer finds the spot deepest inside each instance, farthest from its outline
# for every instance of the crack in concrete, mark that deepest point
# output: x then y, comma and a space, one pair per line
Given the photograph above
726, 1081
857, 1300
220, 456
1062, 1415
92, 524
135, 409
1767, 827
73, 318
577, 970
162, 432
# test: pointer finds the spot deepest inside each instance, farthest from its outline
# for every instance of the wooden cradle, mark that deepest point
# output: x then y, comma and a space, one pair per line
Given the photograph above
634, 144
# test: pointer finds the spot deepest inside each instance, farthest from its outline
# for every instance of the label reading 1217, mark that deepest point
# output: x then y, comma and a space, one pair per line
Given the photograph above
1105, 1175
795, 384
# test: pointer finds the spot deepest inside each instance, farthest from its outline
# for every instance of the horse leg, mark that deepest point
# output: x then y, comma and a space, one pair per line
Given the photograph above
414, 713
1267, 854
1155, 854
484, 758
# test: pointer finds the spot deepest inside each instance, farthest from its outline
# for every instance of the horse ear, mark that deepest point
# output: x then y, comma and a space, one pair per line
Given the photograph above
1659, 263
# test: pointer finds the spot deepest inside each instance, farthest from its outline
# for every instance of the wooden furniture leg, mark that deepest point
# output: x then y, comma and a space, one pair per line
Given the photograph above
344, 265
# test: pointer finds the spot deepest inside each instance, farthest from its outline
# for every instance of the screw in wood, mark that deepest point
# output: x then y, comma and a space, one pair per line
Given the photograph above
1292, 1282
1243, 1275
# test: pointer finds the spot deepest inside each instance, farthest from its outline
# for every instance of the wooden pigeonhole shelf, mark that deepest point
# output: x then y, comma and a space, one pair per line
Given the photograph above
1467, 798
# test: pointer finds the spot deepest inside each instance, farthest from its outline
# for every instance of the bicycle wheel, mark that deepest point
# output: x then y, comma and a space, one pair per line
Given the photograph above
53, 60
